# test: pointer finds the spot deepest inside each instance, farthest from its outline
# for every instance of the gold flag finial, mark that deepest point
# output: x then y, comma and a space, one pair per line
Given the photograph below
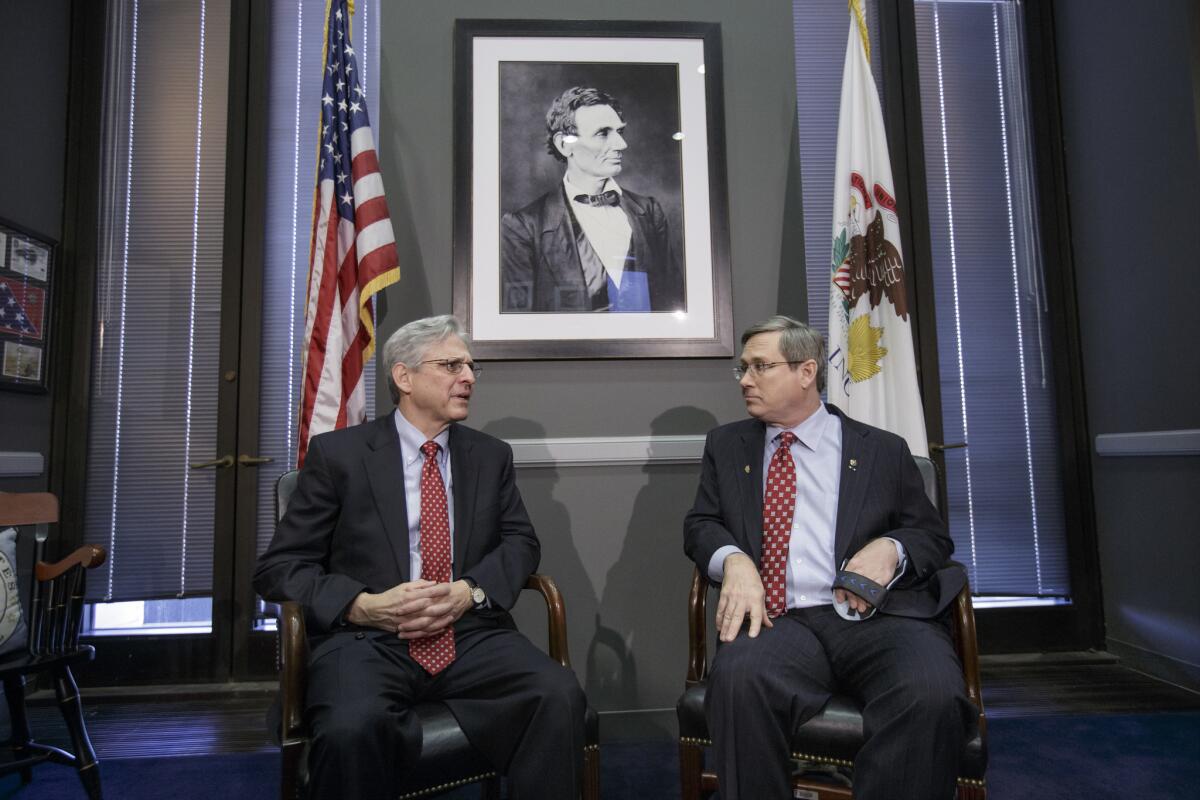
856, 8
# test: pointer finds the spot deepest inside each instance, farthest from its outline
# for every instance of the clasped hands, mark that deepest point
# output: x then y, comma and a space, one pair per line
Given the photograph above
742, 592
412, 610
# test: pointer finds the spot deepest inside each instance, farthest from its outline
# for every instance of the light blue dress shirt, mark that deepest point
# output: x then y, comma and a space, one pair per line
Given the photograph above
817, 453
411, 440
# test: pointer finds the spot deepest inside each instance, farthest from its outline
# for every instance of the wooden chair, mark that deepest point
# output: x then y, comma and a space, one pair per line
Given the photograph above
54, 614
448, 759
833, 737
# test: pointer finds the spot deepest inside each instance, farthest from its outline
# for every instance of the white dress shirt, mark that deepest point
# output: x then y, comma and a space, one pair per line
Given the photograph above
606, 227
411, 440
817, 453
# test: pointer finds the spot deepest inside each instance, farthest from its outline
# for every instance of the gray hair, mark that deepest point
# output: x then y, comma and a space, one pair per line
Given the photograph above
797, 341
408, 344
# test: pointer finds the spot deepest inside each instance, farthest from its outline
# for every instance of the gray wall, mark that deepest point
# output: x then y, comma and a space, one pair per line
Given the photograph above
1130, 83
34, 41
612, 535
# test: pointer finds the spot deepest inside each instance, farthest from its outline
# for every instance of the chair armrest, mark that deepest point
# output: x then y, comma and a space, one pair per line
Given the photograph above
88, 557
967, 645
56, 597
697, 629
556, 616
293, 678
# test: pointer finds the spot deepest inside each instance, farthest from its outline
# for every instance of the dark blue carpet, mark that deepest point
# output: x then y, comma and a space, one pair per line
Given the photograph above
1086, 757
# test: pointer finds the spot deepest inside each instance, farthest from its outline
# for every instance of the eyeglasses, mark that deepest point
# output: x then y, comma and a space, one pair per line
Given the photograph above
740, 370
455, 365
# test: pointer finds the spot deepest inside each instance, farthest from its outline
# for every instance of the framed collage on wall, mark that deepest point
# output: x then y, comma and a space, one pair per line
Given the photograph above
26, 271
590, 199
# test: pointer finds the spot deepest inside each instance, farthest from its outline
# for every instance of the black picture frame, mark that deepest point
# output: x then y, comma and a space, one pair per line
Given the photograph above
506, 75
27, 264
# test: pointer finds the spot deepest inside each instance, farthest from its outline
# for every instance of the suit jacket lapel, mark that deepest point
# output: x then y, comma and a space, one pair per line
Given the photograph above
466, 481
636, 213
858, 452
385, 472
751, 456
558, 243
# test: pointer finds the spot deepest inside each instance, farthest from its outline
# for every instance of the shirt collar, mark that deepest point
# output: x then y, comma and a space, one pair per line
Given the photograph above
809, 432
573, 190
411, 439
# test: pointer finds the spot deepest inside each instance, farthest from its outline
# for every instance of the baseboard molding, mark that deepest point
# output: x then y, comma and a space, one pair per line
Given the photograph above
644, 724
1172, 670
1072, 657
604, 451
165, 693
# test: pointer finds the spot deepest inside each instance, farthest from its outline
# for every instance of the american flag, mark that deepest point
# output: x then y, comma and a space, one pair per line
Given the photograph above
353, 248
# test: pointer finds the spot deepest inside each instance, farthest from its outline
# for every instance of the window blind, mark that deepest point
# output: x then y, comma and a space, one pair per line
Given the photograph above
293, 105
1005, 488
158, 315
1005, 503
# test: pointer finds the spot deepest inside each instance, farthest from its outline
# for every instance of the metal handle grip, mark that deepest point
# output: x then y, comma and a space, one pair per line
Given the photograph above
224, 462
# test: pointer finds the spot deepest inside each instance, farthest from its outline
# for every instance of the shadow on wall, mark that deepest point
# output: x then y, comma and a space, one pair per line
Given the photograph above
560, 556
637, 657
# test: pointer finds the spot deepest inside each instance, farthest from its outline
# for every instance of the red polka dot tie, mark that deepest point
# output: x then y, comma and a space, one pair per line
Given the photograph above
779, 506
434, 653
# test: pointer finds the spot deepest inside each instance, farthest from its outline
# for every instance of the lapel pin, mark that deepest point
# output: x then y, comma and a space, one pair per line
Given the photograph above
854, 464
747, 468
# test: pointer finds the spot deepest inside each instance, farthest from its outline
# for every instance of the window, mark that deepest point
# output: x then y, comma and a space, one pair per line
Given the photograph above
158, 316
297, 28
154, 418
1005, 487
1005, 496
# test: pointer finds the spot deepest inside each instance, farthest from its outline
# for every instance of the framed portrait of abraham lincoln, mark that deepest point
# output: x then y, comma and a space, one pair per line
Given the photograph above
590, 200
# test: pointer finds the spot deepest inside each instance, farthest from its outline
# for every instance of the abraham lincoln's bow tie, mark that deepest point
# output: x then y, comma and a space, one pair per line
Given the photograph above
610, 198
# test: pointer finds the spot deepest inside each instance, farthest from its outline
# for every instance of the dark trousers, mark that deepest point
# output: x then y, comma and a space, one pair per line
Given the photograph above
519, 708
903, 671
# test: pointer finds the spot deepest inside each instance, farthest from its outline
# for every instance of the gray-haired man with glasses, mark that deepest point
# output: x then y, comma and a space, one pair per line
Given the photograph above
795, 505
406, 541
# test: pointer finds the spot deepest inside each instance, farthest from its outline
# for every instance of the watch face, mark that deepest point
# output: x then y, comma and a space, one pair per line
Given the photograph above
477, 595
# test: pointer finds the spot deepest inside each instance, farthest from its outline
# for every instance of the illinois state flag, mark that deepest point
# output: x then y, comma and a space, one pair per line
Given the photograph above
872, 371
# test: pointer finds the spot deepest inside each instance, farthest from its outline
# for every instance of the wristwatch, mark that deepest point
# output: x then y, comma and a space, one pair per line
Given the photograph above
478, 596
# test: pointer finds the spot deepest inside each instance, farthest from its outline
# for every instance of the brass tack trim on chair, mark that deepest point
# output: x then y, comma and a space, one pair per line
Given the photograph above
442, 787
837, 762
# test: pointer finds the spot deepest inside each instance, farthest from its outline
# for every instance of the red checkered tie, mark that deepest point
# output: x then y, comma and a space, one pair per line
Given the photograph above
434, 653
779, 506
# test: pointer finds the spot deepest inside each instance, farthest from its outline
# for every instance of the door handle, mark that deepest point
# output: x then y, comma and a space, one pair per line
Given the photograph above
224, 462
253, 461
939, 447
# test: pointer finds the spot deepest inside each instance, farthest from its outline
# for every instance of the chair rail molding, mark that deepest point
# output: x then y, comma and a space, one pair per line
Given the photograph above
1184, 442
15, 464
600, 451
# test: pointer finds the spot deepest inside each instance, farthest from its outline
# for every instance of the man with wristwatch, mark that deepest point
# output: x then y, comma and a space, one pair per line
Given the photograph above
406, 541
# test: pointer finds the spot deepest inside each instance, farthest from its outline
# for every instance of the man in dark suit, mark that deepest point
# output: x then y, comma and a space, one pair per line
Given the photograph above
588, 244
406, 542
839, 495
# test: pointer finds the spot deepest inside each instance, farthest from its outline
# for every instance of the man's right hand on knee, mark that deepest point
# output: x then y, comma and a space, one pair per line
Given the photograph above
742, 594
